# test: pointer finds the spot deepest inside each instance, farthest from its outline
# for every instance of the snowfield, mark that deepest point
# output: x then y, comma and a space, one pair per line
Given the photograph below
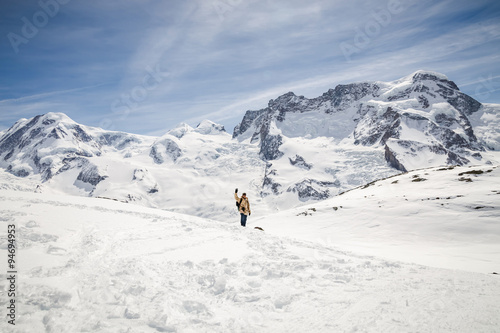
97, 265
445, 217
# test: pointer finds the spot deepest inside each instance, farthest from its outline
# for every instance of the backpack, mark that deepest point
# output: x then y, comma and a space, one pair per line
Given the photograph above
239, 203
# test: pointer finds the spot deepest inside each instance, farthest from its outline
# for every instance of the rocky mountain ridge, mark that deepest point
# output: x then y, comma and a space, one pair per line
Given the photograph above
294, 150
375, 114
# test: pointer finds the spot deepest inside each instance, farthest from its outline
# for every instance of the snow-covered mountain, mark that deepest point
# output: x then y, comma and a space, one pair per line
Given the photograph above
415, 122
291, 152
187, 169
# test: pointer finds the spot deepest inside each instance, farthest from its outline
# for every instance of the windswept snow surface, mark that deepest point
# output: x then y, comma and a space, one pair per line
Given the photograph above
446, 217
96, 265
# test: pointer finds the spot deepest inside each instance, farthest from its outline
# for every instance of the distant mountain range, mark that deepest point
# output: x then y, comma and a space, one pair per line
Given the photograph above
294, 150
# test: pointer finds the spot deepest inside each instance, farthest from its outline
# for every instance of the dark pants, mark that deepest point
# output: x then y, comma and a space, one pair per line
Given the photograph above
243, 219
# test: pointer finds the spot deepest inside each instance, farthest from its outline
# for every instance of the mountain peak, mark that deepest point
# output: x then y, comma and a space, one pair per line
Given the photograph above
58, 117
179, 130
428, 75
209, 127
423, 111
421, 75
284, 100
40, 145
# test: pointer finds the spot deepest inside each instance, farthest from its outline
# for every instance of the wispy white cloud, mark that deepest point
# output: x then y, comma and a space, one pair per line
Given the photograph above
46, 95
222, 63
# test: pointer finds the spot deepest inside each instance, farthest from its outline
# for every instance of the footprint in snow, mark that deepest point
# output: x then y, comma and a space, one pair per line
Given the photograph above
59, 251
195, 307
32, 224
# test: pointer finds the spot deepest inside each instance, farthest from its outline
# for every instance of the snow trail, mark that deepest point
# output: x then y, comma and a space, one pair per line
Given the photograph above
103, 266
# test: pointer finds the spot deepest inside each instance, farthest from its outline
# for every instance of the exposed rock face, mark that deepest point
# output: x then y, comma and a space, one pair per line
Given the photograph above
344, 95
393, 161
299, 162
376, 128
311, 189
270, 186
18, 136
270, 147
90, 174
165, 149
156, 155
250, 118
118, 140
280, 109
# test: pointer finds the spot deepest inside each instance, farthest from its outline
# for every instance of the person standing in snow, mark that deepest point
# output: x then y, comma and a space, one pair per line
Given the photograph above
243, 207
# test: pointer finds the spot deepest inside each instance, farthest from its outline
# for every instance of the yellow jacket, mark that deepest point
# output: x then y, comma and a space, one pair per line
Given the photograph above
244, 205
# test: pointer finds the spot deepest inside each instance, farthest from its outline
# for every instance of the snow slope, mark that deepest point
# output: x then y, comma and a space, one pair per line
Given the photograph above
443, 217
96, 265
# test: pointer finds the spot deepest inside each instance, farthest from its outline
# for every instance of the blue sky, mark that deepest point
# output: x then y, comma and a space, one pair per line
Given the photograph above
144, 66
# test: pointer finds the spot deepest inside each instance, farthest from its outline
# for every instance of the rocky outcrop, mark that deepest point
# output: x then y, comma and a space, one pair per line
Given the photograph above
250, 118
118, 140
377, 128
16, 137
269, 149
311, 189
393, 161
165, 149
269, 185
299, 162
90, 174
344, 95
